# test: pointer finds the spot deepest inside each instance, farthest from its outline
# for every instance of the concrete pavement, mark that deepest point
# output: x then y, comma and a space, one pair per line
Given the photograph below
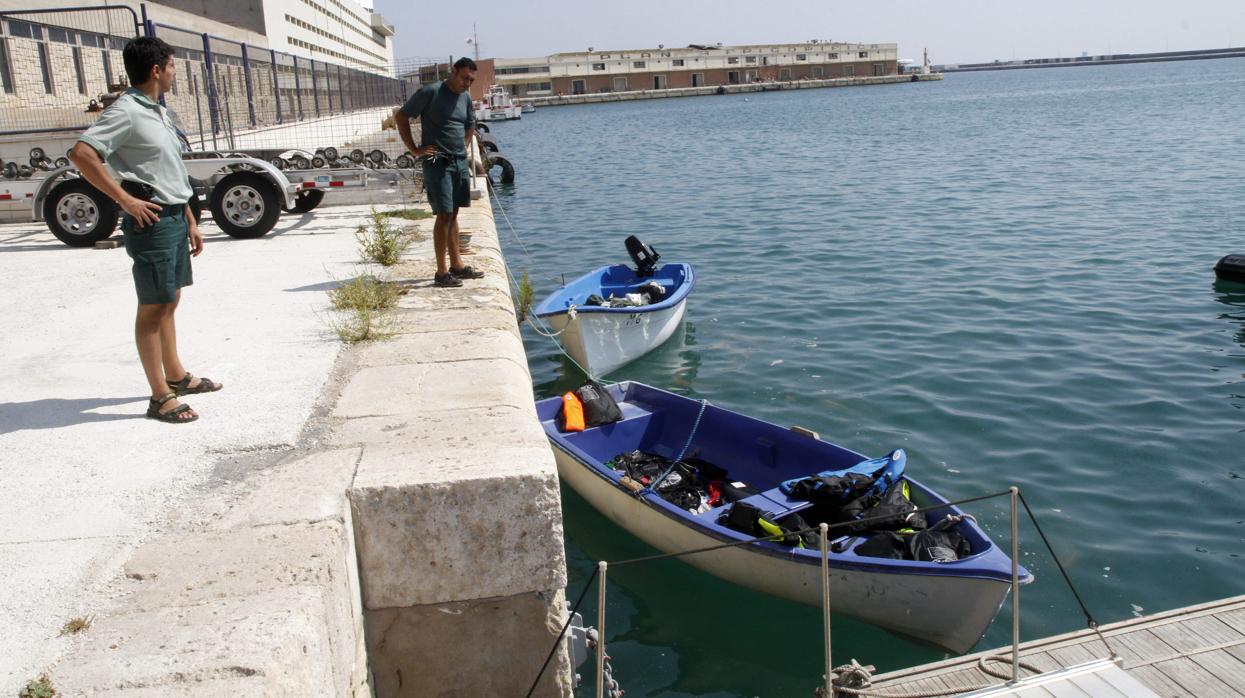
84, 478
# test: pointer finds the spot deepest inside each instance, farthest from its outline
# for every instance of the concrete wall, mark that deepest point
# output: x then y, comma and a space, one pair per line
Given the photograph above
455, 503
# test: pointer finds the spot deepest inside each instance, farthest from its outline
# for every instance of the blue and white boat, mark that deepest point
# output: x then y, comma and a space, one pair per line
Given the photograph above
946, 604
603, 338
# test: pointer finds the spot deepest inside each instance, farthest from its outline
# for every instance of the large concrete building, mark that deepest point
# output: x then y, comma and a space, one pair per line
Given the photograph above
261, 63
696, 65
335, 31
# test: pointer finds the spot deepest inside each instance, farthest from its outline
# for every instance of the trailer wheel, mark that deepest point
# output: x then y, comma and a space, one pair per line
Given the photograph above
307, 199
78, 214
196, 207
245, 205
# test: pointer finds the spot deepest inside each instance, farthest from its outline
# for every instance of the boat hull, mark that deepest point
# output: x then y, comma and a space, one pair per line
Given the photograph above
917, 606
605, 342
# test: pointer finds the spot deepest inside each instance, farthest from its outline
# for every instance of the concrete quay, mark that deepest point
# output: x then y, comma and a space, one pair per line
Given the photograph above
597, 97
382, 519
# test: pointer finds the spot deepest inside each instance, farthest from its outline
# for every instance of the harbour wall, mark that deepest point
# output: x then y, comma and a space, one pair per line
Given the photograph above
596, 97
410, 546
1109, 59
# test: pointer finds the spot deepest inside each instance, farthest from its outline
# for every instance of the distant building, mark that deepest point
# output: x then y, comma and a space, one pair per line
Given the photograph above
694, 66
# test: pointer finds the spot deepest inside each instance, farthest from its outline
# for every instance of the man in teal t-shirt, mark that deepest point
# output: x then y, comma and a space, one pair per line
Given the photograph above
446, 123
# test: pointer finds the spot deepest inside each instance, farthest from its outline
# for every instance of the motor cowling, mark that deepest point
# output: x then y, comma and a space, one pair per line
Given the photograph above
644, 256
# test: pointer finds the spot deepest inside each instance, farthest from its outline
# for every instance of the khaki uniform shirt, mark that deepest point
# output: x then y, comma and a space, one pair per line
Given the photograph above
137, 139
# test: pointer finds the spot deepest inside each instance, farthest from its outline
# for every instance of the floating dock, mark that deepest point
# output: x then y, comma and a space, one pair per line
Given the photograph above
1194, 651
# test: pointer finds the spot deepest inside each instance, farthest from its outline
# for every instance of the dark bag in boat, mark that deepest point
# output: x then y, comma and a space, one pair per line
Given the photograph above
746, 518
885, 544
840, 488
939, 543
892, 511
599, 406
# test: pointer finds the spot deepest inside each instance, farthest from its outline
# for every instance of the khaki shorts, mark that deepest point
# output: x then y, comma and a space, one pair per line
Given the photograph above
161, 254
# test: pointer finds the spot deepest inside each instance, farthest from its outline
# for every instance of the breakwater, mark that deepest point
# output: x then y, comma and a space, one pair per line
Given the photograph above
1105, 59
596, 97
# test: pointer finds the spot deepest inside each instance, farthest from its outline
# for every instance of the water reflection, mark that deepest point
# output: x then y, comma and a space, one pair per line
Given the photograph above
672, 366
1232, 294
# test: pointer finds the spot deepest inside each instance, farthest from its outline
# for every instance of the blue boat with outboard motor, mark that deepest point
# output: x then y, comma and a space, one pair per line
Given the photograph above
613, 315
681, 474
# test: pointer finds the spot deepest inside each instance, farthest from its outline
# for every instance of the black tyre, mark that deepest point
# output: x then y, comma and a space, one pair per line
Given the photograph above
78, 214
308, 199
245, 205
196, 208
482, 127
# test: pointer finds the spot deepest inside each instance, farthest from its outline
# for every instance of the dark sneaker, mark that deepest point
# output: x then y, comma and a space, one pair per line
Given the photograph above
446, 280
466, 273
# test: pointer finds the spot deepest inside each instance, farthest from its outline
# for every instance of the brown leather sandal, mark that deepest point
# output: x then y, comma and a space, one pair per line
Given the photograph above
173, 416
182, 387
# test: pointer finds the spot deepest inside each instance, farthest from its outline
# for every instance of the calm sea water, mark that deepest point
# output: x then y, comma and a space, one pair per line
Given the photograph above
1007, 274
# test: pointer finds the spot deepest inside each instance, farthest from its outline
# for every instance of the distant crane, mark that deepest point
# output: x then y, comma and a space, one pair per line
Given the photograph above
474, 41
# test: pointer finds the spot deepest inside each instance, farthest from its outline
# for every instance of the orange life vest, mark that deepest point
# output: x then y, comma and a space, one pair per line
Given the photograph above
572, 413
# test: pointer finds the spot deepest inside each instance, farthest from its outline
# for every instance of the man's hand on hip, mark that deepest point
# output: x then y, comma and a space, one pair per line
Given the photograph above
426, 151
144, 213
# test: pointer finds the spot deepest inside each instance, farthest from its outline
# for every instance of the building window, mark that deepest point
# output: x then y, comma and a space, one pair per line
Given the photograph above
644, 55
45, 64
801, 57
25, 30
833, 56
77, 69
864, 54
732, 59
637, 64
750, 59
6, 74
605, 55
678, 62
107, 70
598, 66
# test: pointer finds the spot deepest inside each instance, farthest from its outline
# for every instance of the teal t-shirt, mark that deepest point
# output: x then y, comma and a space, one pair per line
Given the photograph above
444, 116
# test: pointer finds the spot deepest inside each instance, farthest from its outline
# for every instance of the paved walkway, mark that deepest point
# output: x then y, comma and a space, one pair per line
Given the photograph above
83, 476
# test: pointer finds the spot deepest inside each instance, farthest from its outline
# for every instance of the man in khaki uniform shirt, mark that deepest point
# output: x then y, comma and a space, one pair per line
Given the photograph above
136, 138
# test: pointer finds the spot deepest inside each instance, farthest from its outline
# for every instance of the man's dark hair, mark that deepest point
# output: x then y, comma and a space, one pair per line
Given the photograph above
141, 54
465, 62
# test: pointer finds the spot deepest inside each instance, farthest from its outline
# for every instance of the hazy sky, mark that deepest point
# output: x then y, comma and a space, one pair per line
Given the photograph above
954, 30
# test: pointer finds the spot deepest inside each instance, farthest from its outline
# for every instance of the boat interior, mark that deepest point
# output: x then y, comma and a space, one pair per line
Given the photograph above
756, 453
617, 280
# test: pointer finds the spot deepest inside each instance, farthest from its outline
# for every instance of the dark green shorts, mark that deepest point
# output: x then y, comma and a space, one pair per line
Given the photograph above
161, 254
448, 183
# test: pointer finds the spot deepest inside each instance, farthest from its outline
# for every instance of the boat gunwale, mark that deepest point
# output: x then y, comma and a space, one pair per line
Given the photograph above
680, 295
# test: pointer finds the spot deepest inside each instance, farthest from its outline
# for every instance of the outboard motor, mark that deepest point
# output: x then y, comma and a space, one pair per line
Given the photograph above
645, 257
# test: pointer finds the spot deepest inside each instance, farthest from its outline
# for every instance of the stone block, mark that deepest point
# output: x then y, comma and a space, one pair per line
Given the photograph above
306, 488
437, 347
431, 388
495, 647
266, 644
464, 490
272, 567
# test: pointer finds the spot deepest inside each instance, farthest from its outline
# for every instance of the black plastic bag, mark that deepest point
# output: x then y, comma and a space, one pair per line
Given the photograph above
599, 406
